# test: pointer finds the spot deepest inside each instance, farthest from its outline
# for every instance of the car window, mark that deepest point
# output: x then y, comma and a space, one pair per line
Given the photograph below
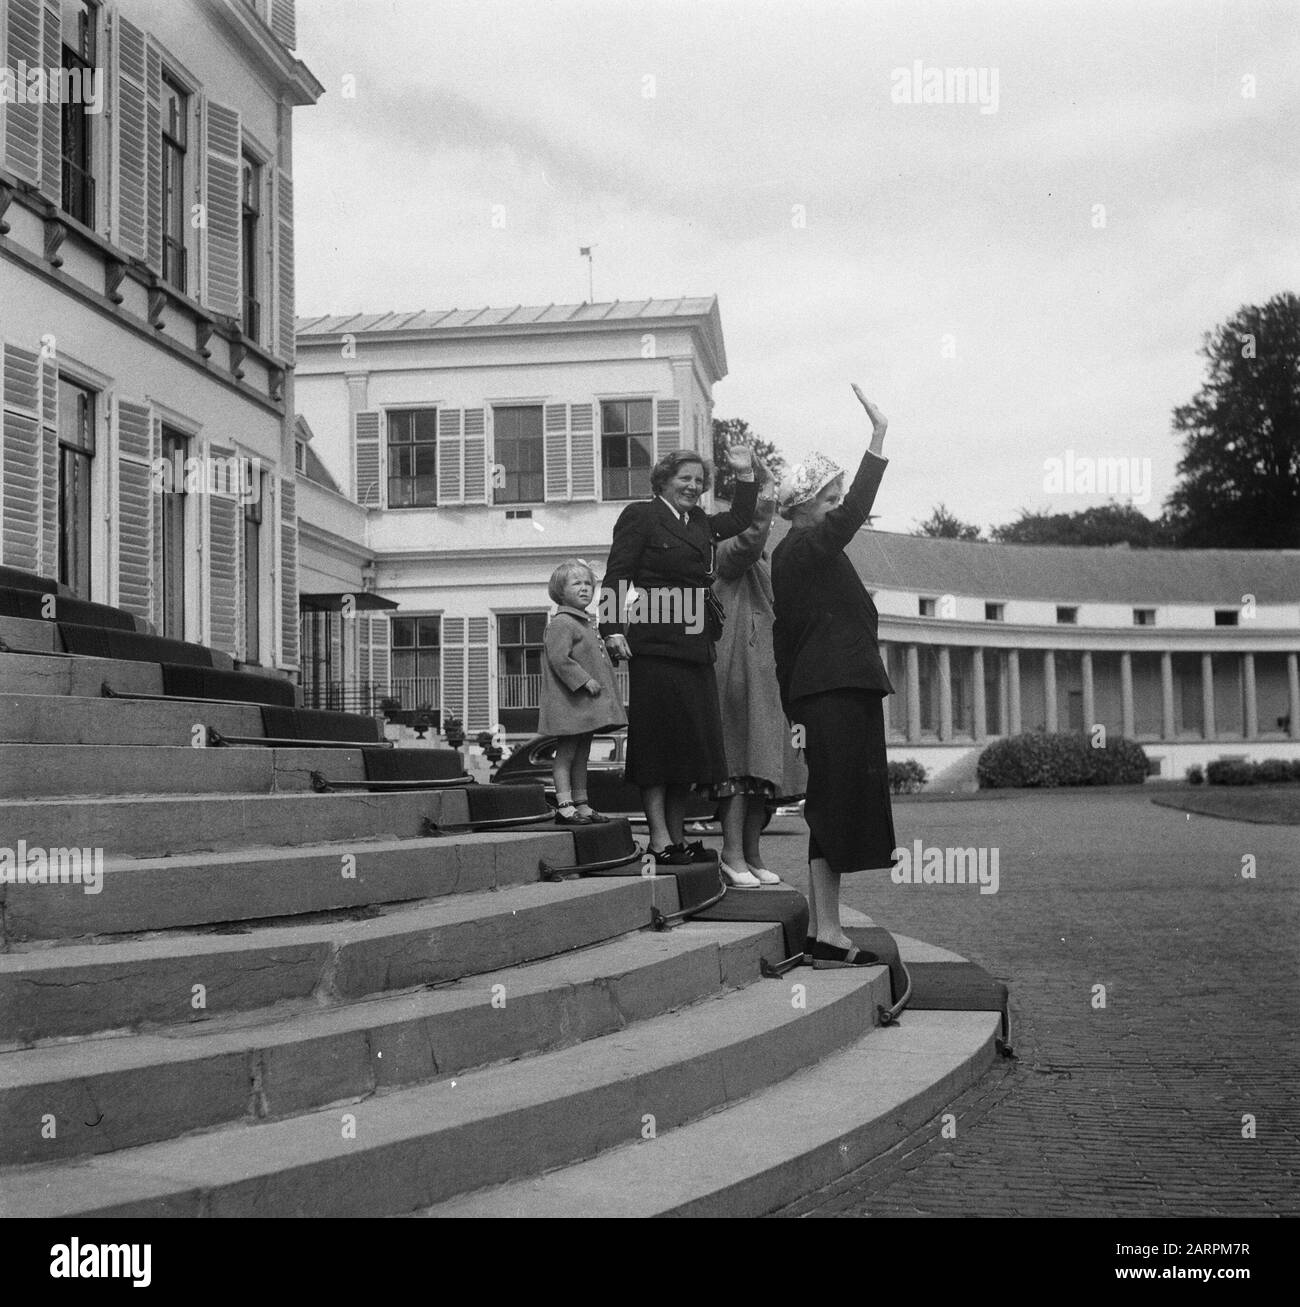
544, 752
604, 748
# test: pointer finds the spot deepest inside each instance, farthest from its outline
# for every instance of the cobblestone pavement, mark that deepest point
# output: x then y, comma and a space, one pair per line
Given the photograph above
1131, 1109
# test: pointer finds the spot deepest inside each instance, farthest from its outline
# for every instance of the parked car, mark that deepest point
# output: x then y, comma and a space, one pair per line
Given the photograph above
607, 789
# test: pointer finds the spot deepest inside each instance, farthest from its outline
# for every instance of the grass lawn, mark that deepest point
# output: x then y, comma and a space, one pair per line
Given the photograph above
1275, 805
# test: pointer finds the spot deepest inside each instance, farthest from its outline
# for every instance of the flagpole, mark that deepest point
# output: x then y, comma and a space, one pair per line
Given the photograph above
585, 252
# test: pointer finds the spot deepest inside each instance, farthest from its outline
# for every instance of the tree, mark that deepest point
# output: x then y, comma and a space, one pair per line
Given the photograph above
726, 430
1108, 524
944, 525
1240, 467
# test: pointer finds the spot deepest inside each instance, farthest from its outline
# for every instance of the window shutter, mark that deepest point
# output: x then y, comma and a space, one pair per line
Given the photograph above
225, 514
153, 119
476, 477
50, 468
156, 516
451, 448
452, 696
284, 261
20, 531
368, 489
668, 427
133, 516
284, 26
131, 139
582, 450
375, 654
288, 573
556, 451
223, 209
22, 122
478, 690
52, 113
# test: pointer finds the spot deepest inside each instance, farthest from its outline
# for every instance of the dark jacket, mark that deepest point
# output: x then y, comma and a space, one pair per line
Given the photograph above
664, 559
825, 631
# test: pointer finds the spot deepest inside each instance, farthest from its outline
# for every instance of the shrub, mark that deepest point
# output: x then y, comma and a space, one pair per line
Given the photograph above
1230, 771
1273, 771
906, 777
1196, 776
1037, 760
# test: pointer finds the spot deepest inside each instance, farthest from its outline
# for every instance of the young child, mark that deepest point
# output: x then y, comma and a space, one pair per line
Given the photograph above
579, 696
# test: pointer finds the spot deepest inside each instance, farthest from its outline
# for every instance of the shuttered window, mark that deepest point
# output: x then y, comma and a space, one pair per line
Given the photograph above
133, 516
80, 53
412, 458
284, 26
22, 122
288, 573
374, 653
20, 524
224, 521
626, 448
222, 231
466, 679
284, 263
367, 487
76, 451
517, 454
174, 145
131, 127
668, 427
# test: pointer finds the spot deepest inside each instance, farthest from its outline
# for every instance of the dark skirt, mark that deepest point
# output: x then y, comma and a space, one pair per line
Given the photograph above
674, 726
850, 820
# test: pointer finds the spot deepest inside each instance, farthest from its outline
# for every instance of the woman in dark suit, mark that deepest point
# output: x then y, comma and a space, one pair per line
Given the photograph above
833, 683
664, 549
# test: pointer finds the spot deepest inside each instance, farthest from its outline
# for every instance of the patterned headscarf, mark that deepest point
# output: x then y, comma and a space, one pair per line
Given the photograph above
805, 481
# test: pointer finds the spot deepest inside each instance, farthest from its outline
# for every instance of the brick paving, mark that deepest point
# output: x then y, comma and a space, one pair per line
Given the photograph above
1131, 1110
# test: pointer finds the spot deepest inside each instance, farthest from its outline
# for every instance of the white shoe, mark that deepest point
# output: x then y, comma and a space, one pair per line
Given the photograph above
739, 879
765, 877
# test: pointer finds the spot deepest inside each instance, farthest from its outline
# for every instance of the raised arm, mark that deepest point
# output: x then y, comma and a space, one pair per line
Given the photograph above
842, 523
739, 553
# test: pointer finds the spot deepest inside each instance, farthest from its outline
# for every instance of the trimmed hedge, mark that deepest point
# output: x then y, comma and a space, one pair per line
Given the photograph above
906, 777
1037, 760
1237, 771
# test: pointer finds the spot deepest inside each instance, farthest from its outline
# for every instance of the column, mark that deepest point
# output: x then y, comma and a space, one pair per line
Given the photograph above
981, 707
1013, 691
1049, 690
1250, 717
1293, 693
1089, 697
1126, 695
1166, 695
913, 695
945, 693
1207, 696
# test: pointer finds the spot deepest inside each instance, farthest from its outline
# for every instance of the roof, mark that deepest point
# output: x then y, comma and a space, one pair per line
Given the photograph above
433, 322
1076, 573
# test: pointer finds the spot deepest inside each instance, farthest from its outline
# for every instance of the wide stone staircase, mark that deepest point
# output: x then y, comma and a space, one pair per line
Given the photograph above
279, 997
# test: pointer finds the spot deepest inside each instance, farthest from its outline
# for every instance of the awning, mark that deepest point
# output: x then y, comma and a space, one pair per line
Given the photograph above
362, 601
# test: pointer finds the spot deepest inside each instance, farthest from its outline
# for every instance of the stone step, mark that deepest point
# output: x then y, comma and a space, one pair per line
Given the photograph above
39, 771
43, 718
775, 1147
80, 989
107, 1094
159, 826
43, 640
23, 673
408, 1149
199, 889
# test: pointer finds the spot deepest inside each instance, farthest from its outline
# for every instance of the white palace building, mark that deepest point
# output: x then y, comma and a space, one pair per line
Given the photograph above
448, 460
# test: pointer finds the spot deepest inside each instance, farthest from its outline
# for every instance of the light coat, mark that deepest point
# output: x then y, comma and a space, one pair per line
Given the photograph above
573, 654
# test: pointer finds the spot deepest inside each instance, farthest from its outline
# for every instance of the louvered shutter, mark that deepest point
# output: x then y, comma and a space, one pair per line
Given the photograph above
451, 448
223, 209
131, 140
20, 530
368, 488
284, 261
284, 26
478, 689
153, 119
582, 450
668, 427
288, 573
555, 453
157, 591
375, 660
225, 515
476, 477
50, 467
452, 699
133, 515
22, 122
52, 113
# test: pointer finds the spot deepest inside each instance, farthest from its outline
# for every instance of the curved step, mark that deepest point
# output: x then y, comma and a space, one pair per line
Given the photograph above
199, 889
50, 718
108, 1094
80, 989
57, 674
411, 1148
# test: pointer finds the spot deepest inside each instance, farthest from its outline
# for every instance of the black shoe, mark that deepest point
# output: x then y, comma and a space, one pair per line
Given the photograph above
671, 855
697, 852
826, 957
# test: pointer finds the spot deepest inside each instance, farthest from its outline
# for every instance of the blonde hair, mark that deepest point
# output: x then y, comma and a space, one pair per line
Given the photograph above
562, 575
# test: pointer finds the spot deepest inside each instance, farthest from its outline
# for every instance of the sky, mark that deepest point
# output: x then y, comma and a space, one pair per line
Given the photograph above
1019, 278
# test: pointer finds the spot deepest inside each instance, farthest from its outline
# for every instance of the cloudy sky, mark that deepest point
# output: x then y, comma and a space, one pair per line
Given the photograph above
1009, 280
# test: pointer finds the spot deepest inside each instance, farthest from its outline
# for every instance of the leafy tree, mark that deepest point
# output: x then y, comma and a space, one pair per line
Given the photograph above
1240, 468
726, 430
944, 525
1108, 524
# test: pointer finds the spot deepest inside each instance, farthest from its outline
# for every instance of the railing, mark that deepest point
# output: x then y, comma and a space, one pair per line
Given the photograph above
345, 696
416, 691
519, 691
